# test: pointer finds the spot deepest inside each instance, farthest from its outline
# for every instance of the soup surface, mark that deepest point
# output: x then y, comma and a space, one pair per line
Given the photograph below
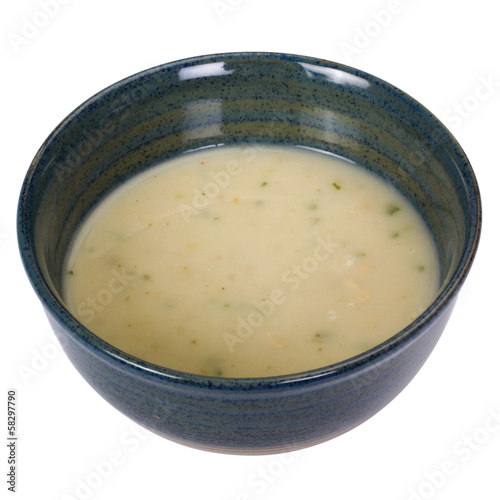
251, 261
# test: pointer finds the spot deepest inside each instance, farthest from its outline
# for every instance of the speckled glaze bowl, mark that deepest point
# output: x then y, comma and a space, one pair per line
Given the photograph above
260, 98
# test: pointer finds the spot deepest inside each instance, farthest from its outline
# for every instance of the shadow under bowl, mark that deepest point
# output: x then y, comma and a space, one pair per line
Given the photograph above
247, 98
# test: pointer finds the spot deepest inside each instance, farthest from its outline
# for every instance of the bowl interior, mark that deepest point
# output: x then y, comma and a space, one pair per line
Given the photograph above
241, 99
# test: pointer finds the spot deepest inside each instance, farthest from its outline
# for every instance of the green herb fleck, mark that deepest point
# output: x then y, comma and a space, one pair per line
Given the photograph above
313, 206
392, 208
146, 277
421, 268
336, 186
71, 272
127, 297
264, 184
212, 366
318, 337
395, 234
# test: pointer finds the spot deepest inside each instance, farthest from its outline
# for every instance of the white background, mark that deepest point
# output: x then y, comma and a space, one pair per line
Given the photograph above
439, 438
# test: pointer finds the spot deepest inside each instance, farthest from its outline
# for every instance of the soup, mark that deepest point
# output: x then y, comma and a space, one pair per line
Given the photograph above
251, 261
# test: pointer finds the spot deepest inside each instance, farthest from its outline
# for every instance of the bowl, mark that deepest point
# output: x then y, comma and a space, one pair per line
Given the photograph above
242, 98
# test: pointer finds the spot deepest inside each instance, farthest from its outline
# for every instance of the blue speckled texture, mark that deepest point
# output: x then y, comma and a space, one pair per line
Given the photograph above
240, 99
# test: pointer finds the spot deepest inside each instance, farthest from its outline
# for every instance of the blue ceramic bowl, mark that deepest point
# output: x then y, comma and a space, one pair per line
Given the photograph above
246, 98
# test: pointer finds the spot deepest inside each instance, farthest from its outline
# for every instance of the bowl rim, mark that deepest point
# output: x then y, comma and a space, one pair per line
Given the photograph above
54, 305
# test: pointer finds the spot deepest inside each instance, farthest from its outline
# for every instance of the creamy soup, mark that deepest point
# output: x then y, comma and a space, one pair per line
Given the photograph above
251, 261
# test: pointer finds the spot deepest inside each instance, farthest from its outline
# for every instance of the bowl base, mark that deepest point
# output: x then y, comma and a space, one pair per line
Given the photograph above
275, 450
